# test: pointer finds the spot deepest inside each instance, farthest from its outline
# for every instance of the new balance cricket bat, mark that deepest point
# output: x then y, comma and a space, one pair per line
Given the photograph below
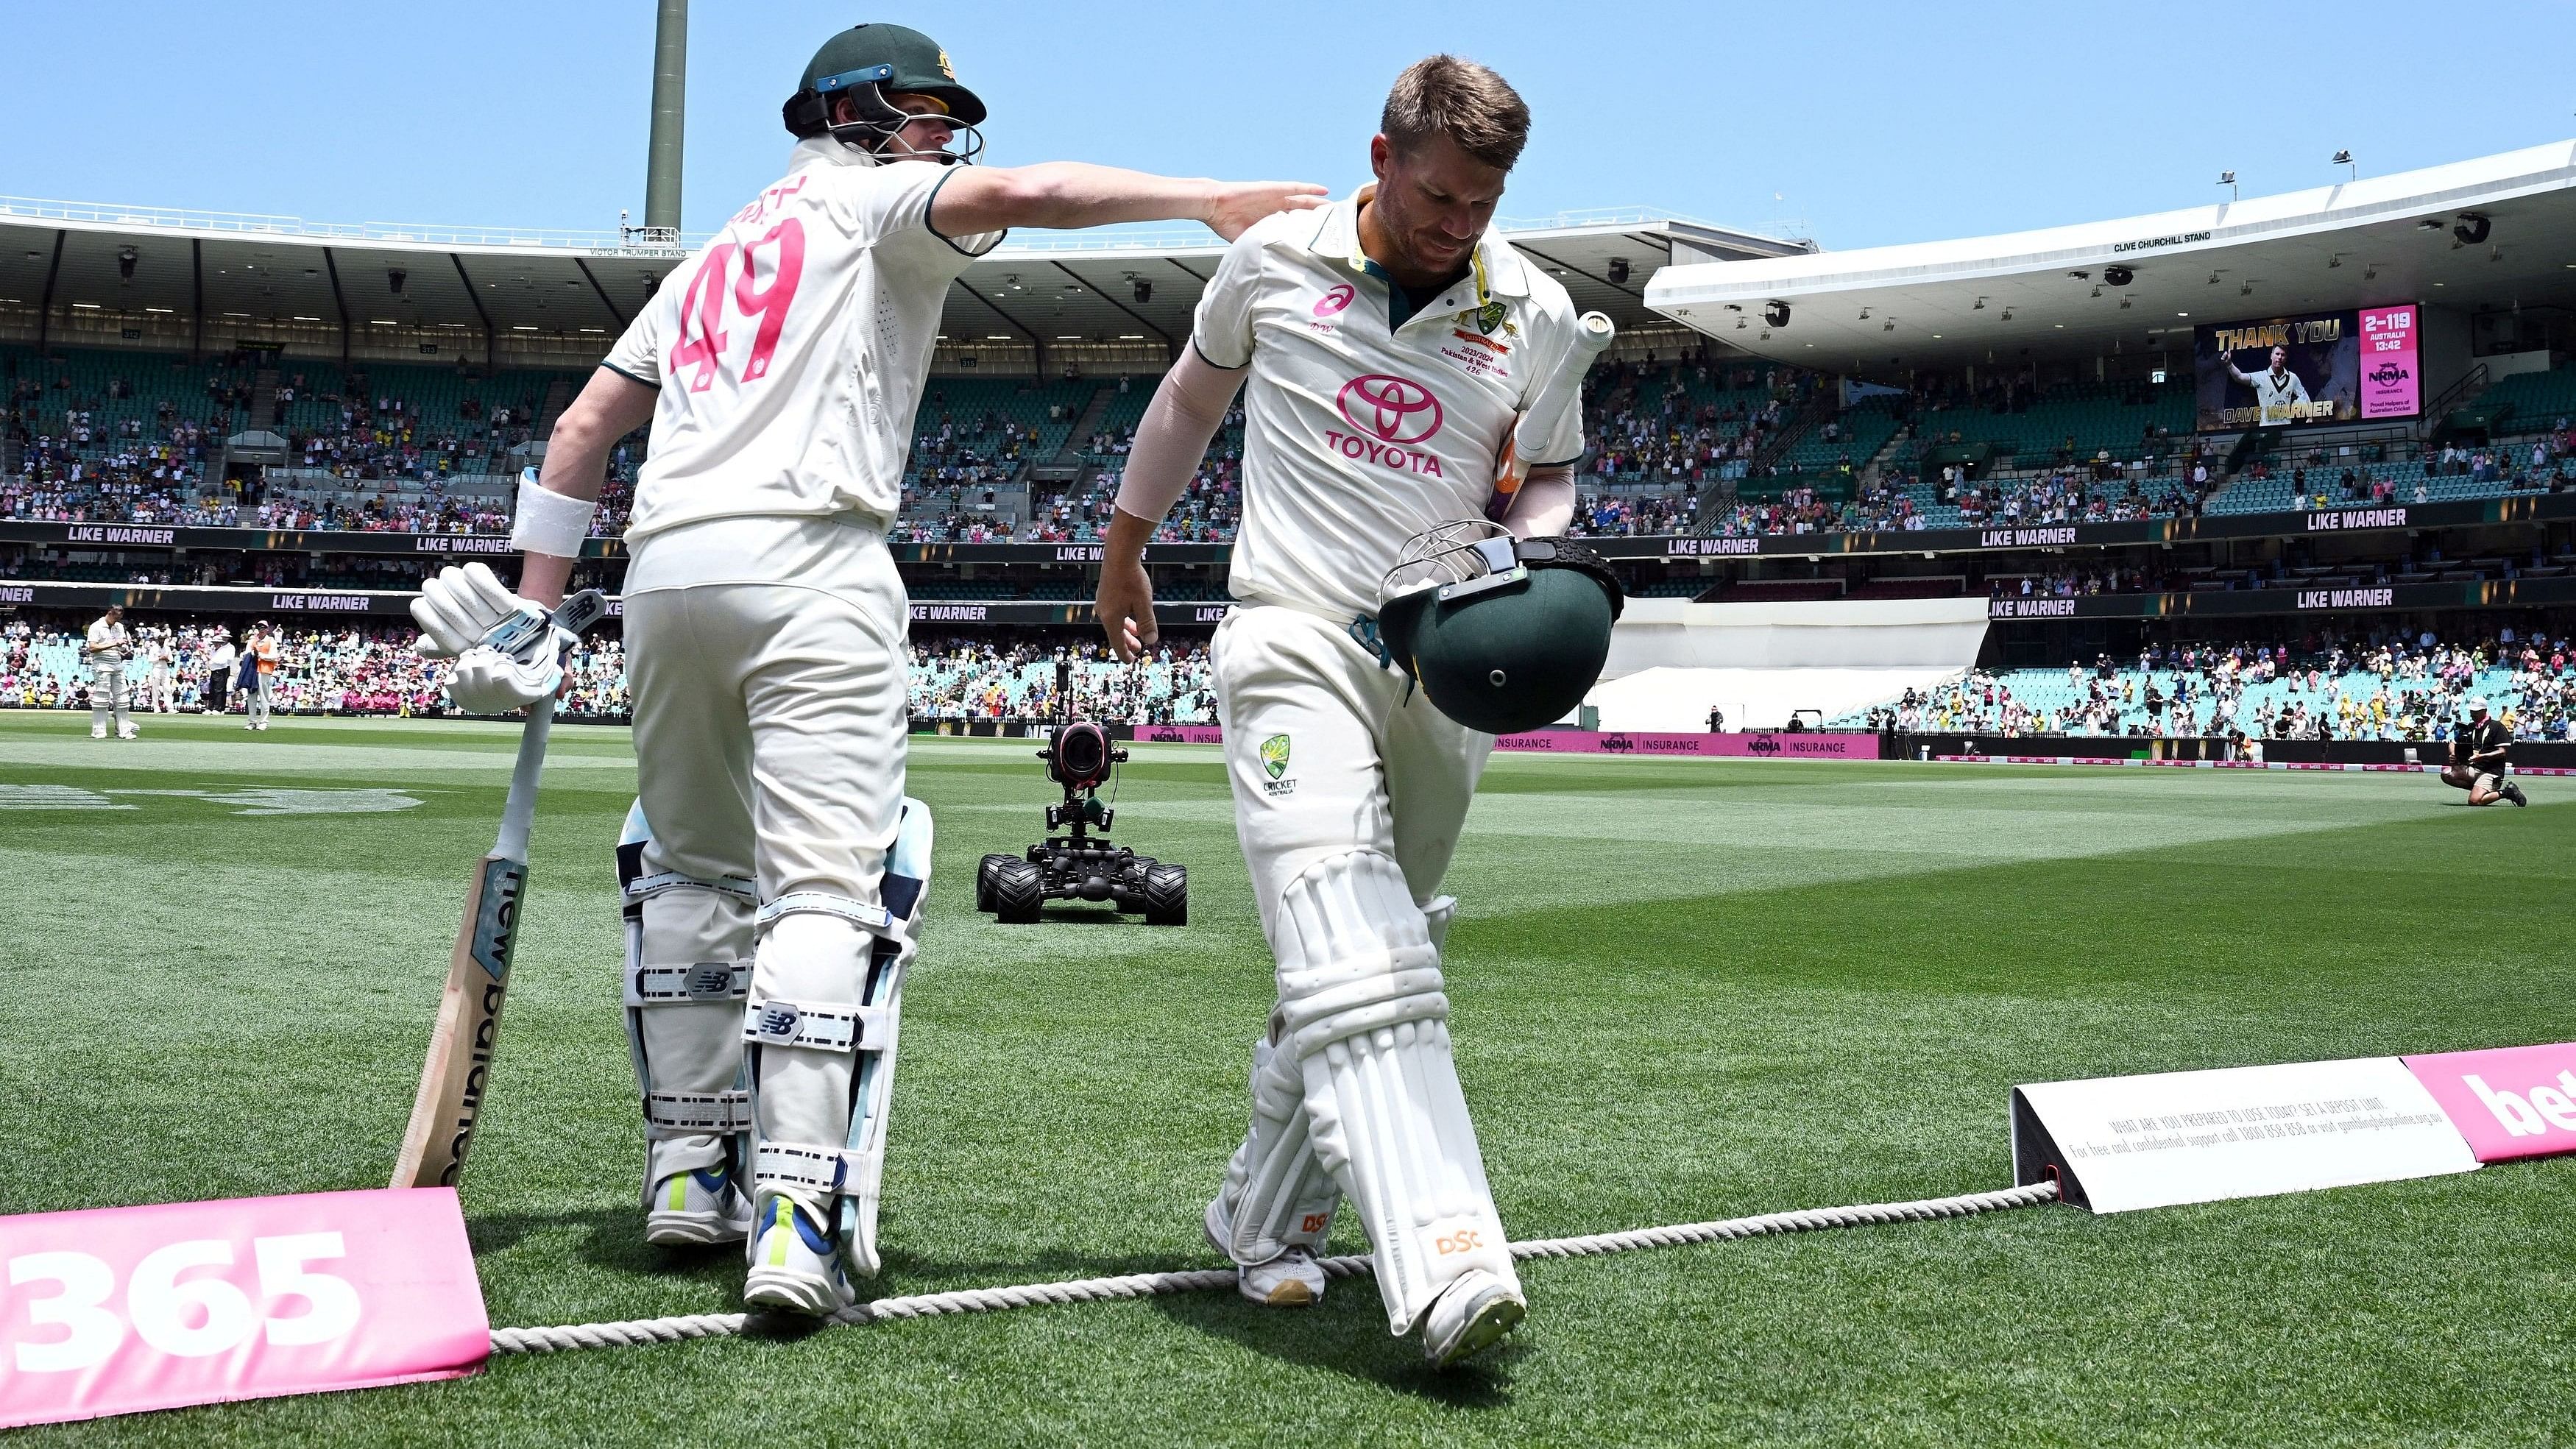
452, 1081
1593, 334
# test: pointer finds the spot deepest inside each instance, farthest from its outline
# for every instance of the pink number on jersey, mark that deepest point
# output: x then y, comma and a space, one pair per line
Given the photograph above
770, 303
705, 303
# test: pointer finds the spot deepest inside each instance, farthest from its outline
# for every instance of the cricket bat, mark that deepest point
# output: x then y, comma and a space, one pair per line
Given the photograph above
453, 1079
1593, 334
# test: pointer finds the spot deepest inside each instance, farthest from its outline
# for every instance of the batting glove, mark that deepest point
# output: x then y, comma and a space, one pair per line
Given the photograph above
488, 681
460, 608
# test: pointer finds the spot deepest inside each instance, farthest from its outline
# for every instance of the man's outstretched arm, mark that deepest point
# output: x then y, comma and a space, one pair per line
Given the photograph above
1069, 194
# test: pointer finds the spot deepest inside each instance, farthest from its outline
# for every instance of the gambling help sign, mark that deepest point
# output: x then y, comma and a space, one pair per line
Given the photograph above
2118, 1143
118, 1310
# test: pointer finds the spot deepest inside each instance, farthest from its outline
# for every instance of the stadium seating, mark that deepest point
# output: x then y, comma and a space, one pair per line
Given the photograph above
2399, 692
2069, 423
962, 680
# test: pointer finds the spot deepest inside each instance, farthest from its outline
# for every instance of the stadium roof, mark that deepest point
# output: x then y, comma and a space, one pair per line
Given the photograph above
1041, 287
2379, 239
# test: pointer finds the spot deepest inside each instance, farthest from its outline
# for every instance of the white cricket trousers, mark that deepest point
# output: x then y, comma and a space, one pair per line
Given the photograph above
1365, 762
1349, 792
769, 706
106, 694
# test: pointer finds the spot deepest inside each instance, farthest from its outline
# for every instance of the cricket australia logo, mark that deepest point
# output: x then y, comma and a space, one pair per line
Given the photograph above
1274, 762
1388, 415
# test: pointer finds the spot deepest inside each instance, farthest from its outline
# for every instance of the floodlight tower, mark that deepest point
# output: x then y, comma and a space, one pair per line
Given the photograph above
670, 86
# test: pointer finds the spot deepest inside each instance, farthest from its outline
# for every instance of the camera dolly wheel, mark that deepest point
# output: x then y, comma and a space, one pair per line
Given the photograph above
1167, 895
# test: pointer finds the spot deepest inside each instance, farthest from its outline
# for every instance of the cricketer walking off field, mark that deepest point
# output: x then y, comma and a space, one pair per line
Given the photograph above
1390, 342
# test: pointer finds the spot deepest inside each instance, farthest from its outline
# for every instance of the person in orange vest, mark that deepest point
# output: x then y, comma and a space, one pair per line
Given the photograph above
263, 649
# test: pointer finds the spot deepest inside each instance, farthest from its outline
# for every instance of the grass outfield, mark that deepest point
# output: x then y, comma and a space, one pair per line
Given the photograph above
1684, 990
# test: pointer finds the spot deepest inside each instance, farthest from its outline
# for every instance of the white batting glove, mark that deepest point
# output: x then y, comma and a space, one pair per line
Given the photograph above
459, 608
487, 681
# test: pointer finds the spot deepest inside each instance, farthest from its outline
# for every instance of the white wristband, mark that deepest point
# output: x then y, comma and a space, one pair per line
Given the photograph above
549, 522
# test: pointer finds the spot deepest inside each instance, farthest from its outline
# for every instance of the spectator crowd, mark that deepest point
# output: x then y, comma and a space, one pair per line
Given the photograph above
2384, 686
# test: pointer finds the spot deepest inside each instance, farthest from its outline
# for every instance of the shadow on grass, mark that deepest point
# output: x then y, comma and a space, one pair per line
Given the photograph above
613, 1238
1346, 1334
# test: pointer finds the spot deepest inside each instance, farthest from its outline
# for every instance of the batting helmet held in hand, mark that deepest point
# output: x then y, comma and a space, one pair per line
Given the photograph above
1504, 635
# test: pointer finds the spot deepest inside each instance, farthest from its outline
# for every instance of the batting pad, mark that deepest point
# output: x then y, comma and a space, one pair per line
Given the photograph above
1278, 1194
1360, 994
687, 971
821, 1028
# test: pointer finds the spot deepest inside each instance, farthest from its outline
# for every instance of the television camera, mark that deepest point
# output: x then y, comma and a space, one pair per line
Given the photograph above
1077, 864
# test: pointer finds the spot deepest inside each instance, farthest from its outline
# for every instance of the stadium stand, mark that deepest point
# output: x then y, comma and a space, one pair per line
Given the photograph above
962, 679
131, 437
2369, 687
377, 671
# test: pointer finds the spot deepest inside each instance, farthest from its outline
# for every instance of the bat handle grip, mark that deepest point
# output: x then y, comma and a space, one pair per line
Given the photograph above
520, 810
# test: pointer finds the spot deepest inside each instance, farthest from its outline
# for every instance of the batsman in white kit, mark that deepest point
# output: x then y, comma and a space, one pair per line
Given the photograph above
774, 870
1413, 414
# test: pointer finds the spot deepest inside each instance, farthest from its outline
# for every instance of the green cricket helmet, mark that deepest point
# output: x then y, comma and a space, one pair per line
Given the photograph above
869, 63
1503, 634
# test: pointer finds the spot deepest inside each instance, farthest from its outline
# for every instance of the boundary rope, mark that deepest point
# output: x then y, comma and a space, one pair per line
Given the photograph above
1148, 1285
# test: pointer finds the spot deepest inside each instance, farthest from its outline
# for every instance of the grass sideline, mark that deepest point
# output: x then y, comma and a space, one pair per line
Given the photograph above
1685, 990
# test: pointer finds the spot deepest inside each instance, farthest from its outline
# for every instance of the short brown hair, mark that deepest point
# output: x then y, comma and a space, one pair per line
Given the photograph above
1443, 95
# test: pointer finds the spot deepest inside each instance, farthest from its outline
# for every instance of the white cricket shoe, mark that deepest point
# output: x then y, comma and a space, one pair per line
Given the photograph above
1290, 1280
127, 733
98, 732
795, 1265
1470, 1316
696, 1205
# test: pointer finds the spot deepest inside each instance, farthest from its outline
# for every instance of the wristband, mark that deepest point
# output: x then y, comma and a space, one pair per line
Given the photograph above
548, 522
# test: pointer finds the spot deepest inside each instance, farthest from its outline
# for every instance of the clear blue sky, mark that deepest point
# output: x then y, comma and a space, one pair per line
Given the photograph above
1876, 123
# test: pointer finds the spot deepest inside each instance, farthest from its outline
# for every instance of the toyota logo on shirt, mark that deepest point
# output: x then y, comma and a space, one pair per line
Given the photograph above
1390, 409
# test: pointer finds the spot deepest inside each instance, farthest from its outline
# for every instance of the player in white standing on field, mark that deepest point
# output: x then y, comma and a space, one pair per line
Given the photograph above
1391, 342
778, 868
159, 654
107, 648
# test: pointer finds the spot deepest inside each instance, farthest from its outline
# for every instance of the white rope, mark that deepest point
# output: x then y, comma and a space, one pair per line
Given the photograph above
1148, 1285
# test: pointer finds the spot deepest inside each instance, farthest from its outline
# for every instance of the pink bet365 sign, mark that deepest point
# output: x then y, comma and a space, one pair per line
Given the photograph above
2509, 1102
117, 1310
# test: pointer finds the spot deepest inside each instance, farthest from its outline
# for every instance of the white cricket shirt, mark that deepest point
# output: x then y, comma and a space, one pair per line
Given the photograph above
2275, 392
791, 350
1357, 437
107, 642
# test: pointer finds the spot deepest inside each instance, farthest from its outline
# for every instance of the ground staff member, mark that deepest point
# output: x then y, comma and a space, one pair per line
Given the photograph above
2478, 759
780, 368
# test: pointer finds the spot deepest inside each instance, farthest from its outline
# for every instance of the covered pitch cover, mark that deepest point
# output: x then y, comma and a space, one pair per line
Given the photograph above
2277, 372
